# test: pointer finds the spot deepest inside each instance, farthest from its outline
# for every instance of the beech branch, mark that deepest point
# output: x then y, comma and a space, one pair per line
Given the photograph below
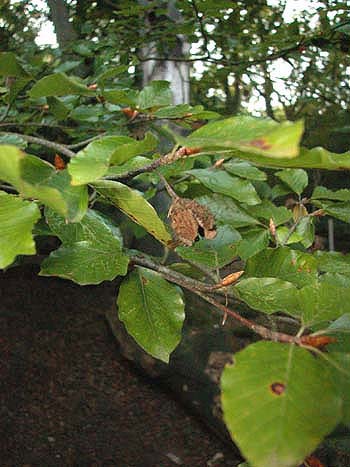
202, 290
42, 142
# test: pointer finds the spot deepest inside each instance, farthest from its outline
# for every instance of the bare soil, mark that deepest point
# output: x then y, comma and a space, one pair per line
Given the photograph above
68, 397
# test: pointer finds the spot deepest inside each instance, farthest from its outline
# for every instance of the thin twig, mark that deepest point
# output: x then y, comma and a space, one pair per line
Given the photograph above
42, 142
84, 143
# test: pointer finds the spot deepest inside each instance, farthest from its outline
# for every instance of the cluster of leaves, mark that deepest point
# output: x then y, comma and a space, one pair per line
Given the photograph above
283, 394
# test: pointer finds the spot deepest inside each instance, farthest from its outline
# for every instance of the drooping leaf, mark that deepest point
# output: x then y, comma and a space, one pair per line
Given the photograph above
340, 329
289, 265
155, 94
245, 170
226, 211
249, 135
268, 294
282, 407
152, 311
59, 84
35, 178
91, 250
135, 206
213, 253
17, 219
252, 243
296, 179
220, 181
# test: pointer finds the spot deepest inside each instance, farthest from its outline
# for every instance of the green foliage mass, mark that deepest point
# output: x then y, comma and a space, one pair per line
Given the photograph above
87, 156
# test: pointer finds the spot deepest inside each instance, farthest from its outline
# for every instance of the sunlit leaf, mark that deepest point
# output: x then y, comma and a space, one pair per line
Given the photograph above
289, 403
17, 219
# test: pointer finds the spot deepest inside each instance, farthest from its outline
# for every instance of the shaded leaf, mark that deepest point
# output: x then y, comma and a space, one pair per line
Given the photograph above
226, 211
155, 94
252, 243
245, 170
221, 182
296, 179
17, 219
213, 253
10, 65
267, 210
332, 261
152, 311
282, 407
57, 108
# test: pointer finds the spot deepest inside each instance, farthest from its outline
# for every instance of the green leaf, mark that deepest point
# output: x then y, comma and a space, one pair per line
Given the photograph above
226, 211
152, 311
315, 158
332, 261
173, 111
135, 206
252, 243
268, 294
121, 97
92, 162
267, 210
287, 264
155, 94
213, 253
10, 65
323, 302
338, 210
17, 219
342, 377
220, 181
110, 73
249, 135
57, 108
59, 84
245, 170
135, 163
296, 179
91, 250
340, 329
285, 237
13, 140
282, 407
35, 178
134, 148
320, 192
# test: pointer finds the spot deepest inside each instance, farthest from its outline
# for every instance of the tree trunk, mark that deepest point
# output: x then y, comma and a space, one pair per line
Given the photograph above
60, 18
176, 72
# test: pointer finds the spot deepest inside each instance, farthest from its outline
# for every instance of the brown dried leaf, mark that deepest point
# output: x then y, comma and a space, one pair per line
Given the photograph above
190, 219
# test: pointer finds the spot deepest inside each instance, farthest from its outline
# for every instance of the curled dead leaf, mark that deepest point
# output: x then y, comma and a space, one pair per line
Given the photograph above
190, 220
319, 342
59, 163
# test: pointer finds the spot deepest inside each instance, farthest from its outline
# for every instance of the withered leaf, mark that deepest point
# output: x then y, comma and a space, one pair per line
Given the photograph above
189, 220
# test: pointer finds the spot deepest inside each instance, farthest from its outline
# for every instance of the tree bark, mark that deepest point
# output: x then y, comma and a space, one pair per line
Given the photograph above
60, 17
177, 73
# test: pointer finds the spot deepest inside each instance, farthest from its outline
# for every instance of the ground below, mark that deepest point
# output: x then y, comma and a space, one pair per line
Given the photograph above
68, 397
